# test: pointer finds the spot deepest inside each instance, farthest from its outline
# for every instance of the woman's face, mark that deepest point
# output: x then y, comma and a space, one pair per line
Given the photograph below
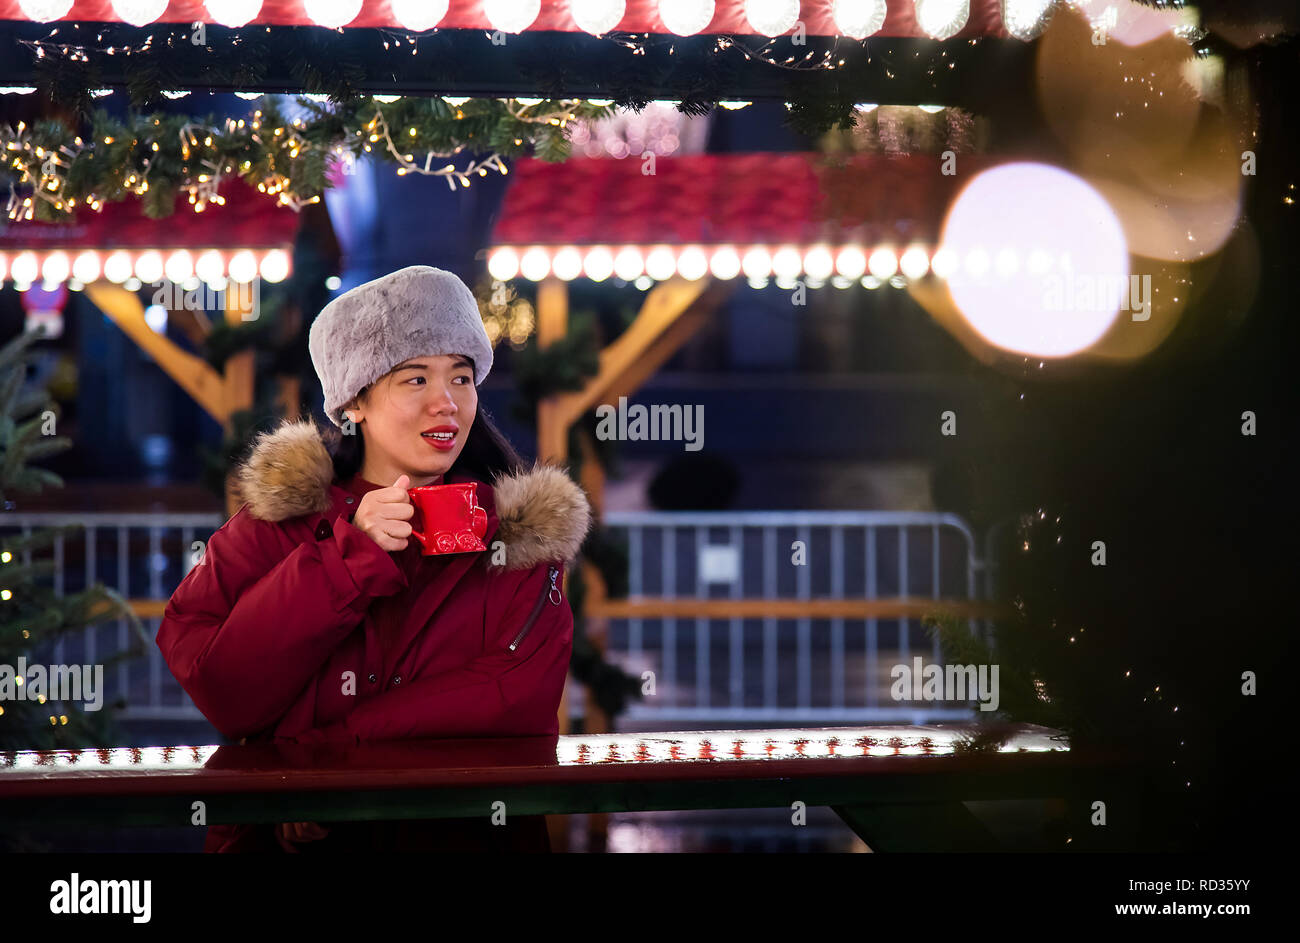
416, 418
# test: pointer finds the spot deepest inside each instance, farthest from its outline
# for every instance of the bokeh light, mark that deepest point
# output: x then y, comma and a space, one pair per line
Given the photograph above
1012, 210
1136, 128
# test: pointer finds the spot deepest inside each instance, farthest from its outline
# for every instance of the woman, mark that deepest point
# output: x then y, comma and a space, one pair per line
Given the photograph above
313, 616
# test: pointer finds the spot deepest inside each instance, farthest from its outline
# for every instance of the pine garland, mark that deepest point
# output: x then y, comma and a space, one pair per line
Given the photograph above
50, 169
564, 365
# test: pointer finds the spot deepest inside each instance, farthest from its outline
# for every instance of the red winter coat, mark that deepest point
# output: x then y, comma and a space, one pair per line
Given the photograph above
295, 625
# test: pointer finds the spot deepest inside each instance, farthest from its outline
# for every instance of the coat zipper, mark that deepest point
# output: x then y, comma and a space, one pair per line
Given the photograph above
552, 592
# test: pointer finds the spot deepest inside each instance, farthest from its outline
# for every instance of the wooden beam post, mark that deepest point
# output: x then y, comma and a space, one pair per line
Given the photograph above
239, 380
552, 325
648, 342
290, 397
193, 374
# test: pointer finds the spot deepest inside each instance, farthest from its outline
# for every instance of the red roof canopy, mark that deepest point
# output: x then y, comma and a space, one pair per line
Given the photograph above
742, 199
641, 16
247, 220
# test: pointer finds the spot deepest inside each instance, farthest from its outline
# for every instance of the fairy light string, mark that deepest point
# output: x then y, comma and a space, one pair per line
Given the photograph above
48, 170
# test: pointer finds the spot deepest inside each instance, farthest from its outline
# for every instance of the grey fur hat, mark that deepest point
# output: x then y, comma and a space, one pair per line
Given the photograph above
417, 311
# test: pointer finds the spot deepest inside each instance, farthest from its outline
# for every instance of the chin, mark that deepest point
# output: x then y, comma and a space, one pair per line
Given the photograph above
437, 465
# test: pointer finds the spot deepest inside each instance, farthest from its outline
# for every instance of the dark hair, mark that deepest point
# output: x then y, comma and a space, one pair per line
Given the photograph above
487, 453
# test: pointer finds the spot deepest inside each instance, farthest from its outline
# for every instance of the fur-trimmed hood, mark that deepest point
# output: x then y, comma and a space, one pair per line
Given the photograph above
543, 514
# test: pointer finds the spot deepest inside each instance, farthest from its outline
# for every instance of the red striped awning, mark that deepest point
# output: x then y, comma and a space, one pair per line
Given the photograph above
740, 199
248, 219
640, 16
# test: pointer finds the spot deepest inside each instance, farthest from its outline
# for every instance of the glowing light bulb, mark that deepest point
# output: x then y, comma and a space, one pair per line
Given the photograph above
756, 263
944, 262
1025, 19
139, 12
858, 19
418, 15
56, 267
818, 263
211, 267
149, 266
180, 266
511, 16
86, 267
503, 264
117, 267
660, 263
598, 264
535, 265
851, 262
772, 17
940, 19
597, 17
567, 263
686, 17
914, 263
725, 263
883, 263
243, 266
787, 262
233, 12
692, 263
629, 264
274, 266
332, 13
45, 11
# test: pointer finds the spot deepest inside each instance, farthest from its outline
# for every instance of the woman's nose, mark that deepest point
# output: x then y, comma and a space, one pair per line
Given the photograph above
443, 401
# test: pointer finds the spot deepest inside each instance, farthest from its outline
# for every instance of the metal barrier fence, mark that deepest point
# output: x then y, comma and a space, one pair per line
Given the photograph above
141, 556
802, 670
734, 670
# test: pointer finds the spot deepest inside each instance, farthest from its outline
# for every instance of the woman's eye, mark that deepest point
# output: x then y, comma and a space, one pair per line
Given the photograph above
463, 380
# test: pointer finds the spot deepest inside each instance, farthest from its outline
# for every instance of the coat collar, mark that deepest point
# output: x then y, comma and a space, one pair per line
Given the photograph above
543, 514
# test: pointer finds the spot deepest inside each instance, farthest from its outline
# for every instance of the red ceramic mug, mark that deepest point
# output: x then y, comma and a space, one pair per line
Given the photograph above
451, 520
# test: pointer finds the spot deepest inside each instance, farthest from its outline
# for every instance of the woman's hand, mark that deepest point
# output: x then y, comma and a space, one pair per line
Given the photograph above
382, 515
300, 832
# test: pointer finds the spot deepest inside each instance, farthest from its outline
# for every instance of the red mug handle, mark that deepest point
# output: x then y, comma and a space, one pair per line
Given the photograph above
423, 541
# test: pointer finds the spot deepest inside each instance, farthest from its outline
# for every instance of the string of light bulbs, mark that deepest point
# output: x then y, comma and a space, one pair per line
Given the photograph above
854, 19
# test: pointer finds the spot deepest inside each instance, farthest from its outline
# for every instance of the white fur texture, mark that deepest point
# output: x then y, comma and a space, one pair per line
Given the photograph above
417, 311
